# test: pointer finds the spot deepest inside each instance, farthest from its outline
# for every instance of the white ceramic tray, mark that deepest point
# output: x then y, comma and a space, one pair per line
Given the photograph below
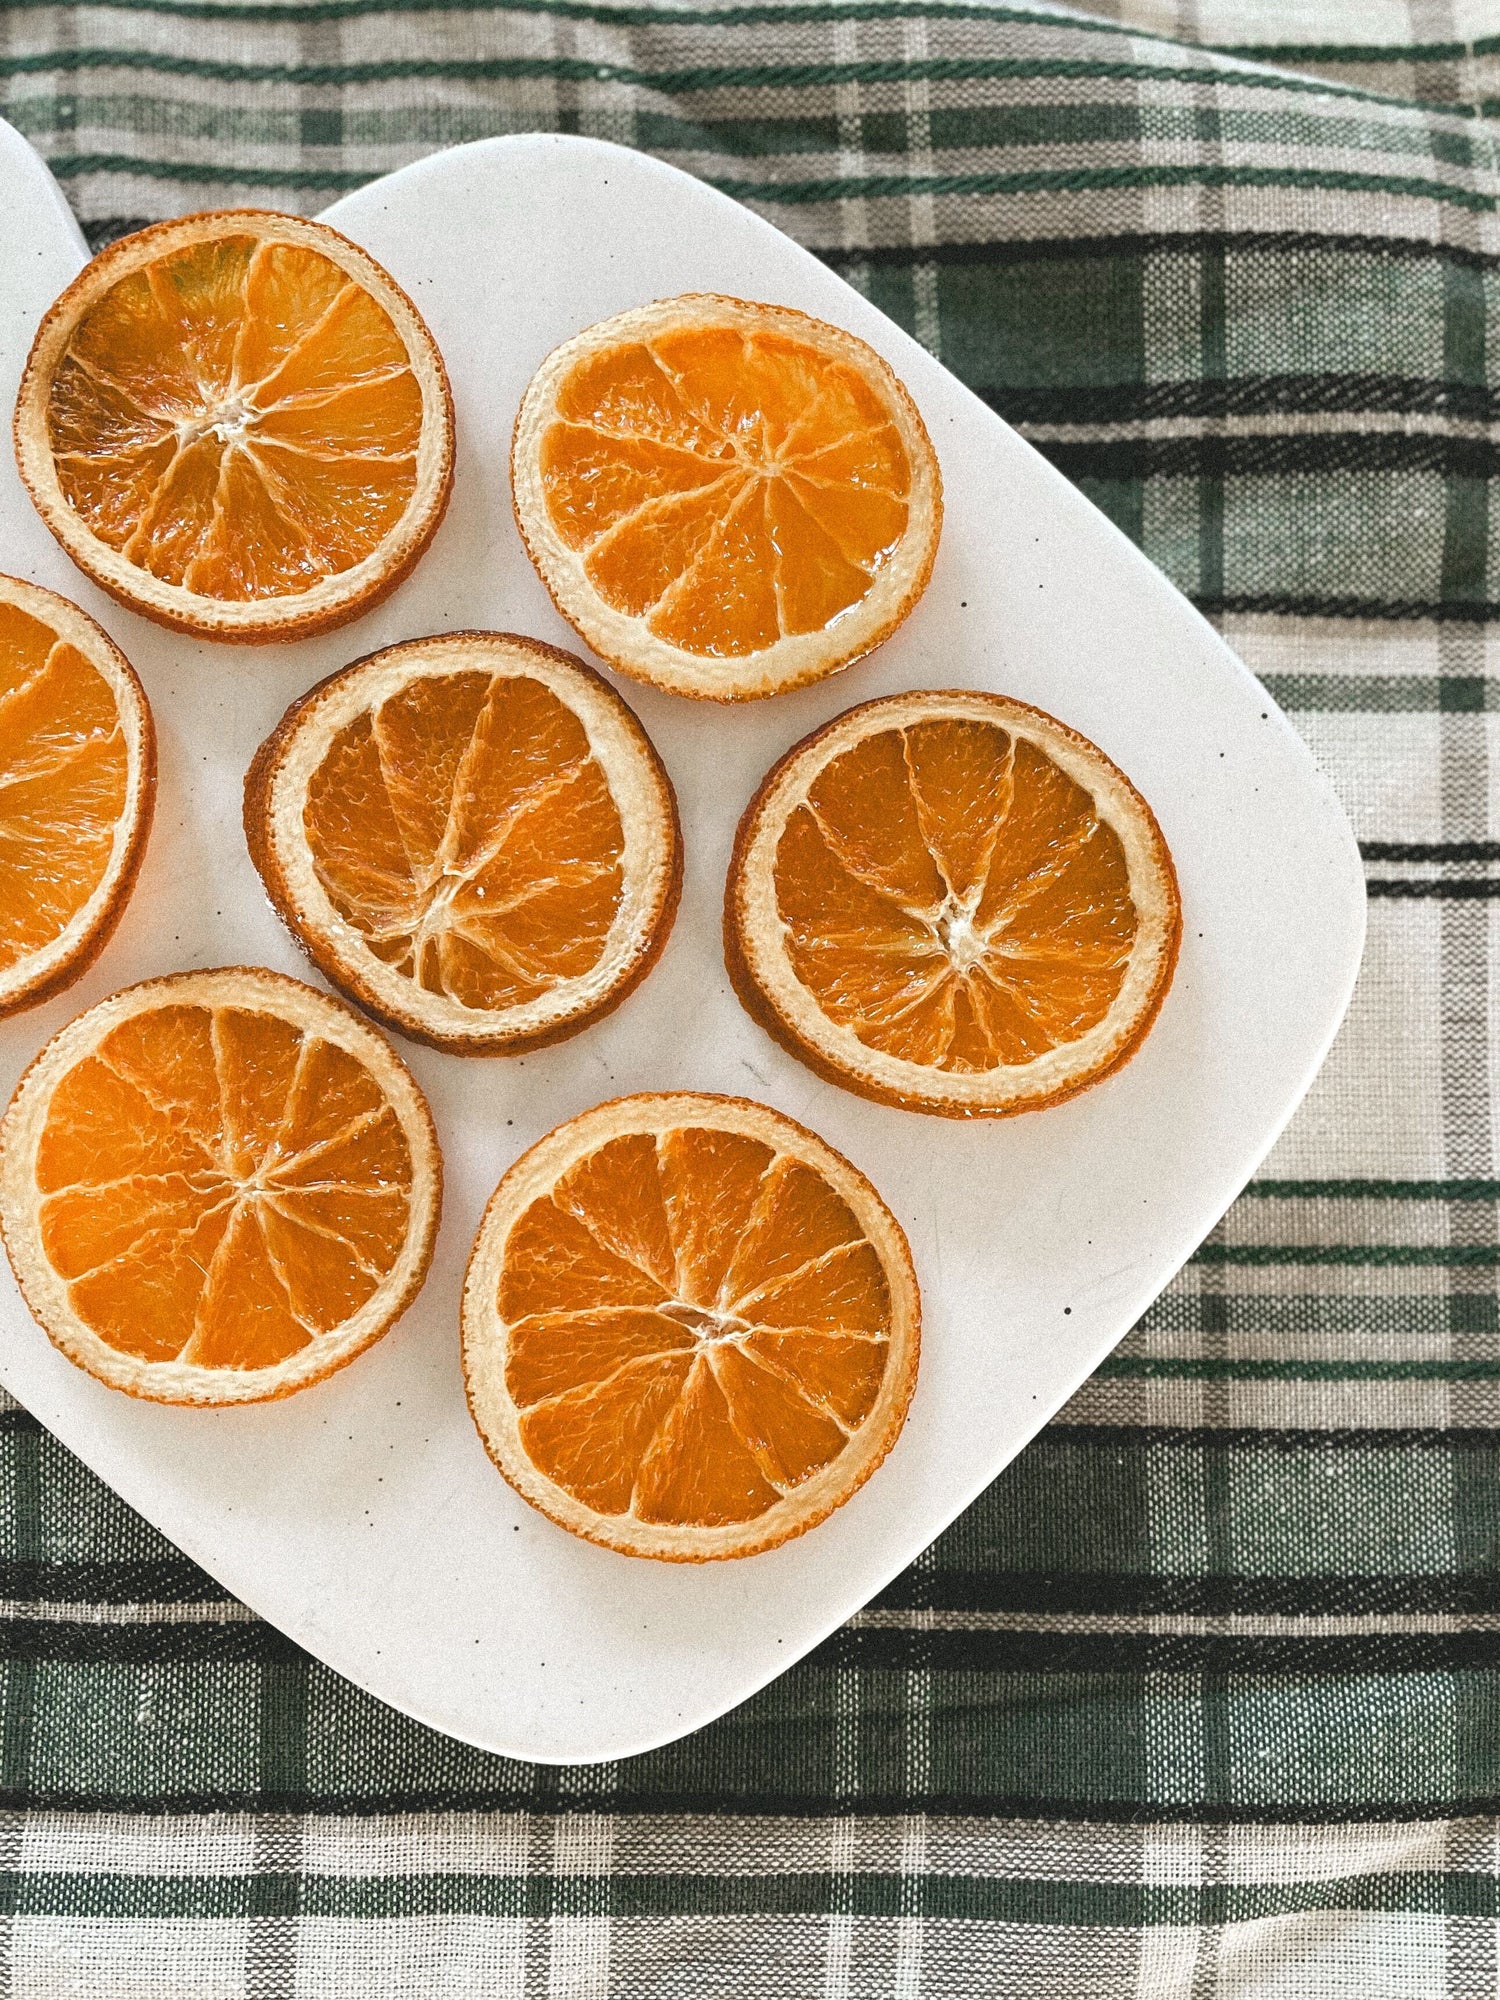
362, 1517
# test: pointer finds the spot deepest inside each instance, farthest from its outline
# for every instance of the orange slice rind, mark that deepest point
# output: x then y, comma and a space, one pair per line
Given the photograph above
690, 1327
471, 836
953, 903
724, 498
218, 1187
238, 424
77, 787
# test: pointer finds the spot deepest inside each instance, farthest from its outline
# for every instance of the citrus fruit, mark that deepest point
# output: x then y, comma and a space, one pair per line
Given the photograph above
238, 424
470, 835
217, 1187
690, 1327
953, 903
727, 499
77, 784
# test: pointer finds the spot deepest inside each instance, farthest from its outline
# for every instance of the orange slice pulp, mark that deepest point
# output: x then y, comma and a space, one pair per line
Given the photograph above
77, 785
690, 1327
217, 1187
472, 836
954, 903
239, 424
725, 498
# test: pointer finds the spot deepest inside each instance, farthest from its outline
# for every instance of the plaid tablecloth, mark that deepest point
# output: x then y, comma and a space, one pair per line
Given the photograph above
1201, 1699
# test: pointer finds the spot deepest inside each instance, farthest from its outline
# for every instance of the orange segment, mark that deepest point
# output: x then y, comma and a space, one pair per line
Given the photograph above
786, 1433
690, 1327
699, 1468
840, 1372
798, 1221
77, 773
557, 1354
472, 836
287, 289
952, 887
338, 508
486, 783
710, 1184
595, 1438
597, 480
725, 497
243, 1317
224, 418
231, 1188
556, 1264
617, 1195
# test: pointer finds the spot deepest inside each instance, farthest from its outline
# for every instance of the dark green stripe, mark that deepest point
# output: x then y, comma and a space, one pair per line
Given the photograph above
667, 16
1057, 1655
18, 1674
1431, 850
1103, 1591
1271, 456
283, 12
115, 1581
1362, 53
1192, 243
73, 166
811, 127
1395, 610
1308, 1808
164, 1647
1443, 892
872, 187
1447, 1254
729, 1893
1243, 395
936, 69
28, 1640
1370, 1190
1208, 1368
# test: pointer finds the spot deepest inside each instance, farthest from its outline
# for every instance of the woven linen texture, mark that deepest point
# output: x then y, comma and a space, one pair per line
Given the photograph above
1200, 1699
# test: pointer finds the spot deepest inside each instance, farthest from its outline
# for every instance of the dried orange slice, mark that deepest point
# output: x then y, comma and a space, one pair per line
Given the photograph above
472, 836
724, 498
77, 785
218, 1187
690, 1327
953, 903
239, 425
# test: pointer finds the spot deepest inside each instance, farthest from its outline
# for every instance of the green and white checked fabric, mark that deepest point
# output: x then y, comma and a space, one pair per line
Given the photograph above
667, 1906
1202, 1699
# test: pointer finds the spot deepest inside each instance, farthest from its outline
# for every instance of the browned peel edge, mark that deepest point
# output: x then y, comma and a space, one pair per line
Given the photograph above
757, 1003
727, 696
401, 1304
895, 1423
256, 818
272, 630
103, 928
